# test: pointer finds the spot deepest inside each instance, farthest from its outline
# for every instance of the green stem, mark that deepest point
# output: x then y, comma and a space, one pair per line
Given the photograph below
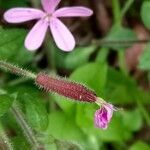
117, 20
126, 7
116, 11
50, 53
5, 140
127, 42
25, 127
102, 55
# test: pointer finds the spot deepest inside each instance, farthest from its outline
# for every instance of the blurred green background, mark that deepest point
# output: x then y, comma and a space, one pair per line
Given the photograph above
112, 57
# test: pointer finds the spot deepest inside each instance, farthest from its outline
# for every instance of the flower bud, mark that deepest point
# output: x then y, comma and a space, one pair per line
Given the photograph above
66, 88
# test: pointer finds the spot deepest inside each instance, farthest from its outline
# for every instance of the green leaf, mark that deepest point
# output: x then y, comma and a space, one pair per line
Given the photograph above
120, 35
12, 46
64, 128
123, 89
36, 113
117, 94
132, 120
84, 118
139, 145
145, 11
120, 88
20, 141
78, 57
144, 63
67, 105
5, 103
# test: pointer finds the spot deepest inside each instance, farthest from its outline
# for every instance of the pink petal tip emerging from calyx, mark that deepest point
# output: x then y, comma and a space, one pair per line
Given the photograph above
103, 116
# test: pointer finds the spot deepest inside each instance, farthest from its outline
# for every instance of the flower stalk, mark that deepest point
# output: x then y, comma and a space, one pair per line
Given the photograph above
16, 70
25, 127
68, 89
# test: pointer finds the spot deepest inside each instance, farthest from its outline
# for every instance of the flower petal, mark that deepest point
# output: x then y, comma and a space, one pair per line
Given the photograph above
101, 120
18, 15
62, 36
36, 36
73, 12
50, 5
103, 116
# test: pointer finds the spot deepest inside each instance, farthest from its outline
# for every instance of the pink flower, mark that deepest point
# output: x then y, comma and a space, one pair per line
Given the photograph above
47, 19
103, 115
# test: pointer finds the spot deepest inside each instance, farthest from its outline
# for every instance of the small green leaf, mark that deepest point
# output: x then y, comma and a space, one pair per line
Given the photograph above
5, 103
67, 105
139, 145
35, 112
120, 88
78, 57
12, 46
118, 37
85, 118
144, 63
132, 119
20, 141
64, 128
145, 11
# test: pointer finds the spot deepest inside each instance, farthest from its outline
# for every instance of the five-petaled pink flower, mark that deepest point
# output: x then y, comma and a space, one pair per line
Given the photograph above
47, 19
103, 115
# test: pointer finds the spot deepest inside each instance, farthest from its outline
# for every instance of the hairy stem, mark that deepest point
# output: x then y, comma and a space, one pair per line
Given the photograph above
25, 127
16, 70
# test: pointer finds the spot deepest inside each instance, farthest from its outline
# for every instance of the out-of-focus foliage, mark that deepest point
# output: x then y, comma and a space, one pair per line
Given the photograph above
145, 10
59, 123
